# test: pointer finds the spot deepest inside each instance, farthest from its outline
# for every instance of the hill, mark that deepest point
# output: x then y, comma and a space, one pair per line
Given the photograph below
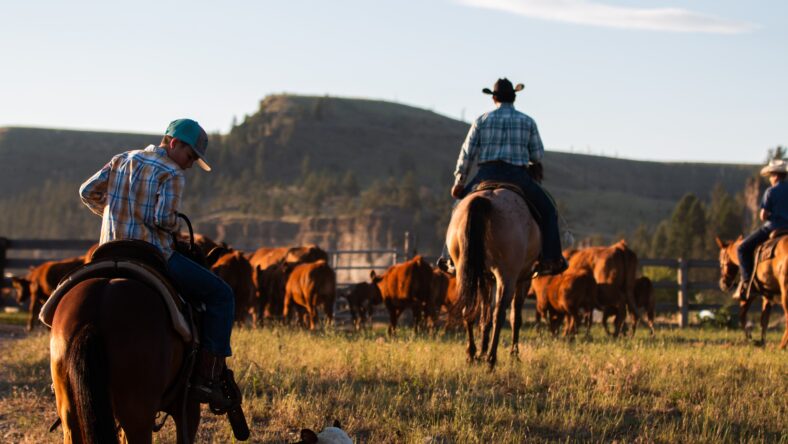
297, 152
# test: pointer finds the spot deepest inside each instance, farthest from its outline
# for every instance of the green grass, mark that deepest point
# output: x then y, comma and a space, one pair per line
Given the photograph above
18, 318
681, 386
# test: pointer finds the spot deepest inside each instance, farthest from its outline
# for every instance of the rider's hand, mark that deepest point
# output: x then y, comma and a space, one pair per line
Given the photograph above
456, 191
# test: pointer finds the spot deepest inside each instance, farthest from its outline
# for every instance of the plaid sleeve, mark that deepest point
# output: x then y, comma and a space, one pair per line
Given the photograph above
469, 152
93, 191
535, 147
168, 199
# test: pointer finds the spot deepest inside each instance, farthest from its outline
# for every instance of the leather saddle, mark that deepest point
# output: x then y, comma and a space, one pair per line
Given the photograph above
130, 259
765, 251
491, 185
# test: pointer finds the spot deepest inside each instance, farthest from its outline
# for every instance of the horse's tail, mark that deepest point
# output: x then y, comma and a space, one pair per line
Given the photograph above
87, 368
473, 253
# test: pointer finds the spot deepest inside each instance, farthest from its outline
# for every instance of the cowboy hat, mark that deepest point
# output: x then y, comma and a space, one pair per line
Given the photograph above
775, 166
503, 89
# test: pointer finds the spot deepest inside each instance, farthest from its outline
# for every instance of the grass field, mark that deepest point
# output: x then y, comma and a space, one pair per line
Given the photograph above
681, 386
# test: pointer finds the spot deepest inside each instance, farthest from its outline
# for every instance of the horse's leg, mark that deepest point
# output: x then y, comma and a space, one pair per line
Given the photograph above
784, 341
470, 349
517, 316
191, 421
485, 325
766, 311
744, 308
504, 293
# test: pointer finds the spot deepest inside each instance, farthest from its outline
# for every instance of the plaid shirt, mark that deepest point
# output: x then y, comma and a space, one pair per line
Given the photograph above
503, 134
137, 194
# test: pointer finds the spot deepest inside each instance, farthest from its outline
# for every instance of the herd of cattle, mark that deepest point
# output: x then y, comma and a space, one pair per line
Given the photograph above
273, 283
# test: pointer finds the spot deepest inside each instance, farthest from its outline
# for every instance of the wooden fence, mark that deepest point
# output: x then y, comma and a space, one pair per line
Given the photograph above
52, 249
684, 287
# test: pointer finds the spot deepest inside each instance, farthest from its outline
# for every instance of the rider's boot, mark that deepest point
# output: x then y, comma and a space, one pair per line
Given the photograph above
206, 384
741, 291
550, 267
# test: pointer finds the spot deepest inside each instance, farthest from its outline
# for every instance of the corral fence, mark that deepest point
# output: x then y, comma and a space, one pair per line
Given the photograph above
18, 254
684, 287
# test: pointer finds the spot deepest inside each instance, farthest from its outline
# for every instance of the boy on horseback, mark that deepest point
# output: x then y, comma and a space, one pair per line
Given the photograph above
503, 142
774, 214
138, 194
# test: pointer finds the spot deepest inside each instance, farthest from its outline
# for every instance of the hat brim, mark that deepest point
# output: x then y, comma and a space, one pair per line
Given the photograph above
203, 164
517, 89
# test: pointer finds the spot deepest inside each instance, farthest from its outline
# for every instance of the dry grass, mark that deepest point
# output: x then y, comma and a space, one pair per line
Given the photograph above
682, 386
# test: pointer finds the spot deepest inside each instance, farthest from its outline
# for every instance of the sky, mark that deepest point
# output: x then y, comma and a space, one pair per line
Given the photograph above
669, 80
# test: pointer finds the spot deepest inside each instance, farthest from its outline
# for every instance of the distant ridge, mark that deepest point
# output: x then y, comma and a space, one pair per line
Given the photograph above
375, 140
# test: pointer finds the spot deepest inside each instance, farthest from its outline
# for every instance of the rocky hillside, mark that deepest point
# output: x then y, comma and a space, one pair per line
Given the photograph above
293, 147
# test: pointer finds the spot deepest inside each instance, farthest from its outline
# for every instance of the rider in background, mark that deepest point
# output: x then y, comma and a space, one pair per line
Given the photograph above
503, 142
774, 214
137, 194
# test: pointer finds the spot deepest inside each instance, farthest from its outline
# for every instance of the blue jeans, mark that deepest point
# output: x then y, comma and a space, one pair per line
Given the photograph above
548, 216
746, 251
197, 282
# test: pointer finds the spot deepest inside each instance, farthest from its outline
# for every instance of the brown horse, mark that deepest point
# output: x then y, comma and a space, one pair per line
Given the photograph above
492, 233
115, 357
771, 274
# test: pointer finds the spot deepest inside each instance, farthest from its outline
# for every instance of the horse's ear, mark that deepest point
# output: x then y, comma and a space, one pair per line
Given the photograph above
739, 238
720, 242
308, 436
337, 424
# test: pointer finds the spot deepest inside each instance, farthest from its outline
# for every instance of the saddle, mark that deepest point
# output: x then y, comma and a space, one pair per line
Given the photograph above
491, 185
131, 259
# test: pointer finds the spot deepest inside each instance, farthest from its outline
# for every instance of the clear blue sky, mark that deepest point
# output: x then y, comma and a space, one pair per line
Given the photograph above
701, 80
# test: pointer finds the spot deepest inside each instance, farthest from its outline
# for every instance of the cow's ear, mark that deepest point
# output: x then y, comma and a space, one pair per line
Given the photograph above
372, 274
337, 424
720, 243
308, 436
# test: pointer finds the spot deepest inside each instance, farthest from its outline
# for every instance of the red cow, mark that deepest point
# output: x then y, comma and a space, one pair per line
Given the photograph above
307, 286
407, 285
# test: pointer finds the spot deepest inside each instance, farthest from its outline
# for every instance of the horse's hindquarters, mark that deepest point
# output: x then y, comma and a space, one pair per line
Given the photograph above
134, 349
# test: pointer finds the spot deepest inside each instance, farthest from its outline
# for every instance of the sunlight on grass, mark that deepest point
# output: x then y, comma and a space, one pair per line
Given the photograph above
680, 386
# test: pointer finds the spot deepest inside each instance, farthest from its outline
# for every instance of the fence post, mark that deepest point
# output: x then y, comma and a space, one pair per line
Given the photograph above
3, 248
406, 247
683, 278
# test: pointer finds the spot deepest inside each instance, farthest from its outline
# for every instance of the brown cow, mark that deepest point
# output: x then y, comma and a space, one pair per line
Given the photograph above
361, 299
614, 269
234, 269
644, 299
445, 297
270, 290
307, 286
41, 281
563, 296
407, 285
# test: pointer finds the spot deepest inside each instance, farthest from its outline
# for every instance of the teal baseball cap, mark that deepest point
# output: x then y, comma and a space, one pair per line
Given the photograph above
191, 133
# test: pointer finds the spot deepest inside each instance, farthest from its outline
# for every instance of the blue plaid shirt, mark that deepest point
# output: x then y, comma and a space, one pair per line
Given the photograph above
503, 134
137, 195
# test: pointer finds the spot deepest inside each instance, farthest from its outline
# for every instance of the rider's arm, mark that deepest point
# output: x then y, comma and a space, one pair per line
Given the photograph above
766, 205
468, 153
168, 200
535, 147
764, 215
93, 191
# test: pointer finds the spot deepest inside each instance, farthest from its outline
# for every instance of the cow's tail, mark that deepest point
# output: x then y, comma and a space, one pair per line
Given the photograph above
86, 364
472, 253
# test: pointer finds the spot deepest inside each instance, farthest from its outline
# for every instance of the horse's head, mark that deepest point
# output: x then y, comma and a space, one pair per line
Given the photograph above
22, 288
729, 266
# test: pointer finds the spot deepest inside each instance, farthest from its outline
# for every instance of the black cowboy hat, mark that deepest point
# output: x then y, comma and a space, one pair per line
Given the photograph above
503, 89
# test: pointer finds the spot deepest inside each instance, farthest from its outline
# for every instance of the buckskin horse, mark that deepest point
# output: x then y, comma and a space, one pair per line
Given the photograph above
116, 356
492, 232
771, 275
